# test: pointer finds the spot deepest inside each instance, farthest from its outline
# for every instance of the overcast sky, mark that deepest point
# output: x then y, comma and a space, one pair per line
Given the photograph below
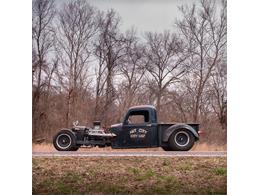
144, 15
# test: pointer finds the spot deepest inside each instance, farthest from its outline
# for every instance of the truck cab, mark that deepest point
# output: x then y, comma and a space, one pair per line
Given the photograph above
138, 128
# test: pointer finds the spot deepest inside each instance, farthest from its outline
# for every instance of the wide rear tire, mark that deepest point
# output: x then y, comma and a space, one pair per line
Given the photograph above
181, 140
65, 141
166, 148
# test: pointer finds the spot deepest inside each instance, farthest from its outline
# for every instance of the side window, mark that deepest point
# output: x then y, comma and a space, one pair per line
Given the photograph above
138, 117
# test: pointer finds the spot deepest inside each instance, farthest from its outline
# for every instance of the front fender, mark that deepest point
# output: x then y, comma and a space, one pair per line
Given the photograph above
69, 131
175, 127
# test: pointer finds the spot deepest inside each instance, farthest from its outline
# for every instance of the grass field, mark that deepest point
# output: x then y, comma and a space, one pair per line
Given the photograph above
129, 175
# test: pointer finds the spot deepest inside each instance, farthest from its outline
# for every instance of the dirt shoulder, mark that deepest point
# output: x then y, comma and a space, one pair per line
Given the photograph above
129, 175
197, 147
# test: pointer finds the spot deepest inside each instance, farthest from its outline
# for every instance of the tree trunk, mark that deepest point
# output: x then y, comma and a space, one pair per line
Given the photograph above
69, 105
158, 104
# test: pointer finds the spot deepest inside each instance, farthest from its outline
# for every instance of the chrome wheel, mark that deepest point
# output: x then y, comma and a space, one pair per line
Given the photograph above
182, 138
63, 141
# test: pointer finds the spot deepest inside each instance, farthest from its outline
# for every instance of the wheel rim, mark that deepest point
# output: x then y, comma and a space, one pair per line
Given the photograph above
182, 138
63, 141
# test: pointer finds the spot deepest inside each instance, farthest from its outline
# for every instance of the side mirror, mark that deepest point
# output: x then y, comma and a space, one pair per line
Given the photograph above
126, 122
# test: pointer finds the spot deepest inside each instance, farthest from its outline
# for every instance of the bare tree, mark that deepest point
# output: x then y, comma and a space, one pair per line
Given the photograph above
43, 12
179, 101
76, 27
204, 31
109, 49
219, 94
165, 53
132, 69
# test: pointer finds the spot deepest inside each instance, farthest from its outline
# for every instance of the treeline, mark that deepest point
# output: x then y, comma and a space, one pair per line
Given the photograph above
85, 68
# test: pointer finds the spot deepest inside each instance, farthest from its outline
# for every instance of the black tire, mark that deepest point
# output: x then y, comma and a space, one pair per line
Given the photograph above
75, 148
166, 148
65, 141
181, 140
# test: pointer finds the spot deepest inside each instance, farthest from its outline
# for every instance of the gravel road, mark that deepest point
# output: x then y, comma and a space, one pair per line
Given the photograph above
138, 153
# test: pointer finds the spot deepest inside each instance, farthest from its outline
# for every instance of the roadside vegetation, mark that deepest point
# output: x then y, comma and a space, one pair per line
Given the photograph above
129, 175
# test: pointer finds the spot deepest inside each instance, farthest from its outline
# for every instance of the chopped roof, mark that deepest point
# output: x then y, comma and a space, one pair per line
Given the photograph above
142, 106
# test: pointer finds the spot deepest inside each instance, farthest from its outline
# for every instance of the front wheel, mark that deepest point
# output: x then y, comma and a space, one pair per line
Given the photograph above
181, 140
64, 141
75, 148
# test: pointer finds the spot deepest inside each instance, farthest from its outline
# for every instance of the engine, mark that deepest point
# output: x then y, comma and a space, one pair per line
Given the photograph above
92, 136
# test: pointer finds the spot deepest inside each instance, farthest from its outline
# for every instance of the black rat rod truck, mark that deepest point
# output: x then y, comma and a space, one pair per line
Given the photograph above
139, 129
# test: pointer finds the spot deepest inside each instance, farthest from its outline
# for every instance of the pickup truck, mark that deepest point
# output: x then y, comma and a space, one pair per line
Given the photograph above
139, 129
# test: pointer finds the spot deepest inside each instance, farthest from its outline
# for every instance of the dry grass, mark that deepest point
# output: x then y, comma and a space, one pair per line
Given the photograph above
43, 148
209, 147
197, 147
129, 175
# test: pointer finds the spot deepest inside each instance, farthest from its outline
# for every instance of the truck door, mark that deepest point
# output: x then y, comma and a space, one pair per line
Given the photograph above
138, 130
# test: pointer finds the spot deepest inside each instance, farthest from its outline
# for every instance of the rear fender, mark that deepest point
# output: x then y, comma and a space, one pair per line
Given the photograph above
175, 127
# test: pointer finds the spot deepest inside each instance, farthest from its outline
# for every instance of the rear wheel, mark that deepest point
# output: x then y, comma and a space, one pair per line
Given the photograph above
65, 141
181, 140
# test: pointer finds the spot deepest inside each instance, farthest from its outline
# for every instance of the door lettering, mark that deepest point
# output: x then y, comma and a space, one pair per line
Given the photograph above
138, 133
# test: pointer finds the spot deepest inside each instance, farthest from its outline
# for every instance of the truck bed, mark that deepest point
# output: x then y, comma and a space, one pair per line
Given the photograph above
164, 126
